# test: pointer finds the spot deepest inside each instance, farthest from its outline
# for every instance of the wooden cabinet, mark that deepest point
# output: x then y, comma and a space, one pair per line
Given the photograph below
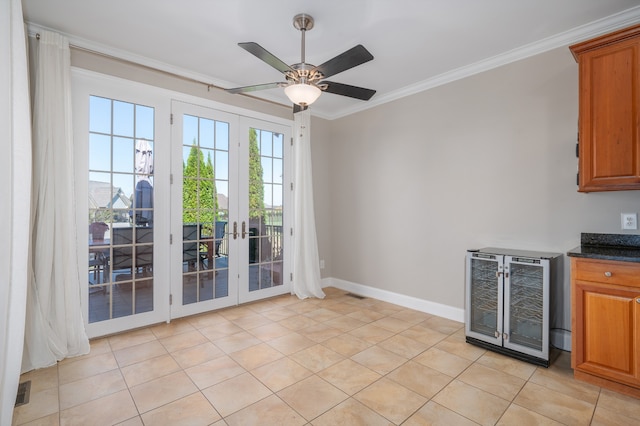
609, 110
605, 302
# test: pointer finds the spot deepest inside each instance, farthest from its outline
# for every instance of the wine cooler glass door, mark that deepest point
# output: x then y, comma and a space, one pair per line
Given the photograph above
526, 301
484, 297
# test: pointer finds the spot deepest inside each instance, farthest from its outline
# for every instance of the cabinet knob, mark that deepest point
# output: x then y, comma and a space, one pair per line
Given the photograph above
607, 274
638, 300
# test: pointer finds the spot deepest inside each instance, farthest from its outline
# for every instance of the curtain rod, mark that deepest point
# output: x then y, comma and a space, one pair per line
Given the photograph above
169, 73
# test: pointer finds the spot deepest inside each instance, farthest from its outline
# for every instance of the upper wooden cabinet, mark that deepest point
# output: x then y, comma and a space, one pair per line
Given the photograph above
609, 124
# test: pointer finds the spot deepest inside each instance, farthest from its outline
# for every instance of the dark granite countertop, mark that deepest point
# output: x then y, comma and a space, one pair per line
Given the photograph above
622, 247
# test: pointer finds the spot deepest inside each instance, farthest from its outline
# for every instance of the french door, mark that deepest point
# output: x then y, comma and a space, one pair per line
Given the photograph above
121, 160
265, 202
228, 209
182, 208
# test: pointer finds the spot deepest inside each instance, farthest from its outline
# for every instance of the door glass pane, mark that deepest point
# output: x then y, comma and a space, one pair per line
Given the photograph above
120, 217
205, 209
265, 209
123, 118
526, 307
484, 296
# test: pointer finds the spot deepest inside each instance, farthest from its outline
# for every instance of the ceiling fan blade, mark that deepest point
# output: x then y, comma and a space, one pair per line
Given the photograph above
298, 108
255, 87
351, 58
262, 53
348, 90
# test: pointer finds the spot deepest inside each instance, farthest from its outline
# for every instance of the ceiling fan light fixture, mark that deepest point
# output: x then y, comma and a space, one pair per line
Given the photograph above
302, 94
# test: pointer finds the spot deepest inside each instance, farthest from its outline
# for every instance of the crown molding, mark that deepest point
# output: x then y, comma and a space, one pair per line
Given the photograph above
602, 26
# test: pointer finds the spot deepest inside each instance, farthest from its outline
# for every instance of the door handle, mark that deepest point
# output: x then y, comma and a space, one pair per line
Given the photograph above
244, 230
235, 230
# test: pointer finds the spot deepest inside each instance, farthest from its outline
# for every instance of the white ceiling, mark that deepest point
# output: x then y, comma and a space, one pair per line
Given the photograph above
417, 44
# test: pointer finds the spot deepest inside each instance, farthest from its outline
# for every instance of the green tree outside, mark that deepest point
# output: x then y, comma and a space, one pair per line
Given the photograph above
199, 194
256, 184
199, 199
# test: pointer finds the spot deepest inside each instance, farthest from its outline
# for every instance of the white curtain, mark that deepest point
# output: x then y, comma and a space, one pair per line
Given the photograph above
54, 324
15, 171
306, 265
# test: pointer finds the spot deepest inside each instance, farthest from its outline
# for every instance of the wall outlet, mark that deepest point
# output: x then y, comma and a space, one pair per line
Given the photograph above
629, 220
321, 263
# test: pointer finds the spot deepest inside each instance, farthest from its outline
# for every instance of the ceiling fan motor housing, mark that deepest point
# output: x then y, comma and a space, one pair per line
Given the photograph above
306, 74
302, 21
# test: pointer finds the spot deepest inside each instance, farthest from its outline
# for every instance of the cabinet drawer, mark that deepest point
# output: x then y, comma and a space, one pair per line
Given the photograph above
602, 271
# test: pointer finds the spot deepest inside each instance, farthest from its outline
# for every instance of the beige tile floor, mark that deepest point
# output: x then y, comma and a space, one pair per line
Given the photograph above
336, 361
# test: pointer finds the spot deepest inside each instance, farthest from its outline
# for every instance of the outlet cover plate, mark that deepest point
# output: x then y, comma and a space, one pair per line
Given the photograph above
629, 220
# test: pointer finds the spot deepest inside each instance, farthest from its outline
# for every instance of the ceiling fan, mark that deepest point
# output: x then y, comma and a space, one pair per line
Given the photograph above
305, 82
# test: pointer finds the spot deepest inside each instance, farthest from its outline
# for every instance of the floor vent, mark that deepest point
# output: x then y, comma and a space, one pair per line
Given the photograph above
357, 296
24, 389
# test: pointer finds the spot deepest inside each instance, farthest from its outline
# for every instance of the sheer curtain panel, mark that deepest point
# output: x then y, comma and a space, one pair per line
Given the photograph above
54, 324
306, 264
15, 169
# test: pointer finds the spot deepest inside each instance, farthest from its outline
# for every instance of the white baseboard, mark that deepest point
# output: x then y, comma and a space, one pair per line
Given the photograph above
445, 311
559, 338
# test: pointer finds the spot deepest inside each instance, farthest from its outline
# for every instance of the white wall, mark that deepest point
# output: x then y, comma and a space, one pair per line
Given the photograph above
484, 161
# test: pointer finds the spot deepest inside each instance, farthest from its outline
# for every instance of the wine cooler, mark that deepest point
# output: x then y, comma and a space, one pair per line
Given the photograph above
508, 301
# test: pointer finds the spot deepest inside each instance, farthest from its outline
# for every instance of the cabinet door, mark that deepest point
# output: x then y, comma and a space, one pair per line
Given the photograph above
607, 331
609, 117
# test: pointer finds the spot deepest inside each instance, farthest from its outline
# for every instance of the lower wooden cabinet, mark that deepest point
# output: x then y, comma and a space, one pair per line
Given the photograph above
605, 302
